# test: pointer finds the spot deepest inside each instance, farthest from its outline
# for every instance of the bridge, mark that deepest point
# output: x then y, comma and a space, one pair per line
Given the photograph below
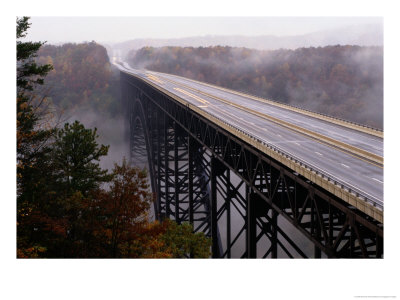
261, 178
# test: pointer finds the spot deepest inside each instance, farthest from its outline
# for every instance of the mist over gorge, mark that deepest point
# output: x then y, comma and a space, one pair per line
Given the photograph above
361, 35
341, 81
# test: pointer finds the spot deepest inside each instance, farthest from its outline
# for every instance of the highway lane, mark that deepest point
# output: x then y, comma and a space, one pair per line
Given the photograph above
345, 167
352, 137
354, 172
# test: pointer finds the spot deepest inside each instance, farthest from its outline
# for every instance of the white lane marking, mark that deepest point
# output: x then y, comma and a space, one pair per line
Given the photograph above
345, 166
318, 153
251, 123
265, 129
279, 135
297, 143
377, 180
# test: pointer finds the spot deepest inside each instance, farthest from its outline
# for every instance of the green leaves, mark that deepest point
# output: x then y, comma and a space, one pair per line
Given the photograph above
75, 158
29, 73
22, 27
182, 242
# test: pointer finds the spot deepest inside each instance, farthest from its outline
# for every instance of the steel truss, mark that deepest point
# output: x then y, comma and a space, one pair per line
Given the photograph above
248, 203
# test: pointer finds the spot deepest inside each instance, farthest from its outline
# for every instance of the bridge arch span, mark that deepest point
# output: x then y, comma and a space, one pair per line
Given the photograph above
250, 204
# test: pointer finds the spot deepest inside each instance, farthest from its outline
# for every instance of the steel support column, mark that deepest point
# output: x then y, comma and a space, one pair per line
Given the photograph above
251, 231
214, 223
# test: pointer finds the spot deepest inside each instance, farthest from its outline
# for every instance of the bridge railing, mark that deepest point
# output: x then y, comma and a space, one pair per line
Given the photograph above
343, 185
311, 111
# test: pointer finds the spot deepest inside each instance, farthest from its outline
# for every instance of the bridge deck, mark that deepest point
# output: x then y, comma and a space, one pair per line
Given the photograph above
295, 133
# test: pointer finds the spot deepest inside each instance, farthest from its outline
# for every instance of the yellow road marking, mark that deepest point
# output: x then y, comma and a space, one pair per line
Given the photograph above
307, 136
332, 120
191, 95
361, 152
154, 78
268, 117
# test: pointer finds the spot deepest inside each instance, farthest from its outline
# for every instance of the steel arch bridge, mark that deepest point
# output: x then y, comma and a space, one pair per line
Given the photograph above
248, 203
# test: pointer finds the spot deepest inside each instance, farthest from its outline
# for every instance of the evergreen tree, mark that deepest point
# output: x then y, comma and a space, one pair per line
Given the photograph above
33, 134
32, 130
75, 160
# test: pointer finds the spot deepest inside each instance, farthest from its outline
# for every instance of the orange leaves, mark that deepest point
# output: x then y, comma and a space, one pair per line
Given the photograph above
31, 252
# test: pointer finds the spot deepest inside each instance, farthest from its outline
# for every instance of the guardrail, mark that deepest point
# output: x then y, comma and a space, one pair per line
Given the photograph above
310, 111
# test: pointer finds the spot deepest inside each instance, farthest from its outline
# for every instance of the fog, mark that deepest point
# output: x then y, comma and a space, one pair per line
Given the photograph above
110, 131
119, 29
344, 82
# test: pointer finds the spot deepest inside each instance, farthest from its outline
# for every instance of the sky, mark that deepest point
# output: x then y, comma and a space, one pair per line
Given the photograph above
117, 29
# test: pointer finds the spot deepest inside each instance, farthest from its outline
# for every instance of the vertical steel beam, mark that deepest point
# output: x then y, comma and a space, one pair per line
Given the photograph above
228, 213
214, 224
379, 246
274, 234
176, 171
159, 135
330, 227
251, 234
317, 250
190, 177
166, 165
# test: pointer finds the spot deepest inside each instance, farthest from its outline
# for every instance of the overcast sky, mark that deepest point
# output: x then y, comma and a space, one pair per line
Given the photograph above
117, 29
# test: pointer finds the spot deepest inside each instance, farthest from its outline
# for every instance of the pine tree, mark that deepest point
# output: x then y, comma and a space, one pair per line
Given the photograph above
75, 160
33, 135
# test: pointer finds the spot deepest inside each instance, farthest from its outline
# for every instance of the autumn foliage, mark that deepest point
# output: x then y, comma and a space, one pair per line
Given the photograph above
67, 205
75, 215
342, 81
82, 78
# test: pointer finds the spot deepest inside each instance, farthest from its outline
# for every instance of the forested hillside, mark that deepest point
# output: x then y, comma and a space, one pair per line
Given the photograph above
84, 86
68, 206
342, 81
82, 77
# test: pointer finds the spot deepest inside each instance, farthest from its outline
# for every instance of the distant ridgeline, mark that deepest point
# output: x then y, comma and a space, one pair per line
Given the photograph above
82, 77
342, 81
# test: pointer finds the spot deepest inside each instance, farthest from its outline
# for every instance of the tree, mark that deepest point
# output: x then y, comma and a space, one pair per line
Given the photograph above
75, 160
63, 208
124, 207
119, 218
181, 241
167, 239
29, 74
33, 134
